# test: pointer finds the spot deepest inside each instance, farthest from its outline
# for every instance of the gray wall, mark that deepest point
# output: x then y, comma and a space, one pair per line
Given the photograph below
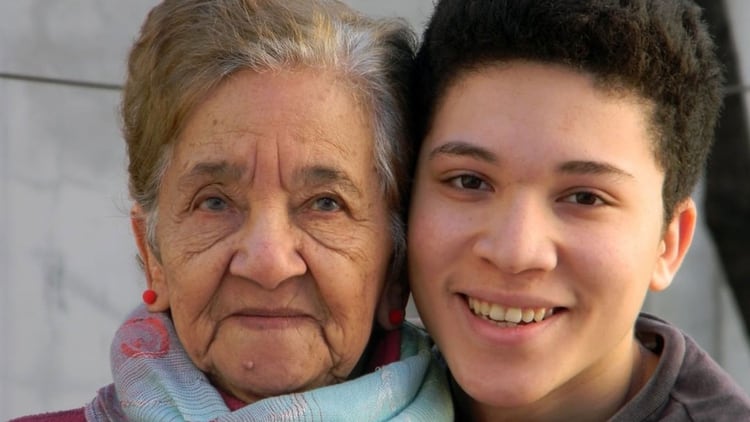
67, 269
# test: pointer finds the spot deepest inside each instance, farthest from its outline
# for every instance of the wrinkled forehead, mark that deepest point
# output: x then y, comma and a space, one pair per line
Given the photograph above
292, 123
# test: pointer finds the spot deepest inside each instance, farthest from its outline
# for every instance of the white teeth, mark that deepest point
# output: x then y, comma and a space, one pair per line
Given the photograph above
499, 313
513, 315
527, 315
474, 305
539, 314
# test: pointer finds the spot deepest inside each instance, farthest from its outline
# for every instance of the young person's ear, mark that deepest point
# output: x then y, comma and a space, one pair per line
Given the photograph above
674, 245
151, 266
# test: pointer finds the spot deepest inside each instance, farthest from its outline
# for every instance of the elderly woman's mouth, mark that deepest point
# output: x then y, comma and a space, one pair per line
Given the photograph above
271, 318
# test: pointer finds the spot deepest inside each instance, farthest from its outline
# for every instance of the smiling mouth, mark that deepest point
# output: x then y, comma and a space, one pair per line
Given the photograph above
507, 316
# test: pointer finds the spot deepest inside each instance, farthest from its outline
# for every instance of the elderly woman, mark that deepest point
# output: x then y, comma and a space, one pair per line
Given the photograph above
266, 161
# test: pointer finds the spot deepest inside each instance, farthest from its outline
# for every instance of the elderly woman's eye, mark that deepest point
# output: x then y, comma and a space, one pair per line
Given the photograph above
213, 203
326, 203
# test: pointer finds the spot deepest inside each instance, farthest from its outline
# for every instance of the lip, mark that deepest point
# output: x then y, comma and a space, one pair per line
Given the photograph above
505, 336
266, 319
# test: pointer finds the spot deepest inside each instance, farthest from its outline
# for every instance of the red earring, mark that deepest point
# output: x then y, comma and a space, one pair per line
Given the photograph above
149, 297
396, 316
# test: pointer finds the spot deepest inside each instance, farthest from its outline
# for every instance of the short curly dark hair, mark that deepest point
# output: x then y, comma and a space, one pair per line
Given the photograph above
659, 50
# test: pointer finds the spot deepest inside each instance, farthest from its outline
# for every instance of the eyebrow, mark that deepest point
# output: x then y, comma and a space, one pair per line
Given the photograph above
324, 175
220, 170
310, 176
592, 167
461, 148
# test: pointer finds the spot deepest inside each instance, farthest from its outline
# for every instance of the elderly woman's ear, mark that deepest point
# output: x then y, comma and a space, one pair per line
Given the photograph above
151, 265
392, 306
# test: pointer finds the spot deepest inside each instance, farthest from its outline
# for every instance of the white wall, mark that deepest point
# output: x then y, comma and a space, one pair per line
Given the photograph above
699, 300
67, 269
66, 261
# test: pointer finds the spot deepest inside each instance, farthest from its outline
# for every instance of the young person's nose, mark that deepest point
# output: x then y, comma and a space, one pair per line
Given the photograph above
268, 251
518, 237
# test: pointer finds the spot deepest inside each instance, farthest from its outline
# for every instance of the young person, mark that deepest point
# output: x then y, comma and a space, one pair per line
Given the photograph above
559, 145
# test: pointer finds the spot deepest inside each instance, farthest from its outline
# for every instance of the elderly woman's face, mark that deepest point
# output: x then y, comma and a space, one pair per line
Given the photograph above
273, 233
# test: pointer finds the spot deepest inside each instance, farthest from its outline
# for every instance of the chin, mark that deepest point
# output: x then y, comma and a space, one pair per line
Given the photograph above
502, 389
252, 377
262, 385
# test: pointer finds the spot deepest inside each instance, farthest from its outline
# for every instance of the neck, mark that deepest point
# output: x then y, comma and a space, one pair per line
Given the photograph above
592, 396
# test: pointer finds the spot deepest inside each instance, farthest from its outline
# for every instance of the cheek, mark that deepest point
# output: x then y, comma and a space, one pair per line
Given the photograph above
350, 277
428, 254
194, 331
436, 236
193, 277
353, 282
196, 235
611, 270
351, 298
193, 282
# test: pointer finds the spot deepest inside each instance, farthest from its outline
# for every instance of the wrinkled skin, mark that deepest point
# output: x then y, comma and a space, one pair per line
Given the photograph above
272, 233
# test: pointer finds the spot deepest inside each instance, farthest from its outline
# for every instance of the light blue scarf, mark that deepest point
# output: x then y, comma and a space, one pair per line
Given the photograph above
154, 380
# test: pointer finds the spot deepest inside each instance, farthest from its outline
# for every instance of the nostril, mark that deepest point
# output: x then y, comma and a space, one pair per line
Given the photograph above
267, 265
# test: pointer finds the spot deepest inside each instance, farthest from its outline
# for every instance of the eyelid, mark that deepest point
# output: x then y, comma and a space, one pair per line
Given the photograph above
208, 192
200, 203
600, 199
338, 199
454, 180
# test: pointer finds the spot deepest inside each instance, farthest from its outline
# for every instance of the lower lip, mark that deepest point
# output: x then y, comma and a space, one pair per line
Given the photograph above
500, 335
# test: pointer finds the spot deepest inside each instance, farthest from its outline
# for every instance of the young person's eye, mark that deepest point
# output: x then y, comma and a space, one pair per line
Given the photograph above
469, 182
584, 198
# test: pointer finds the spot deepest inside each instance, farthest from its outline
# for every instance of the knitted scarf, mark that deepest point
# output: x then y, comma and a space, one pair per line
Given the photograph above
155, 380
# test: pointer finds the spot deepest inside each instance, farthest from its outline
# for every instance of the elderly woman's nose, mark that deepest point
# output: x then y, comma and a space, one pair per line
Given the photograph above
268, 251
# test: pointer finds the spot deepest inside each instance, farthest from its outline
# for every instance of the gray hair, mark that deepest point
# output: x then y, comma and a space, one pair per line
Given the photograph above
186, 48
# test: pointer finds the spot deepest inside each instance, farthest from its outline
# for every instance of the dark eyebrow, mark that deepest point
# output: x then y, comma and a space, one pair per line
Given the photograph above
220, 170
465, 149
323, 175
573, 167
591, 167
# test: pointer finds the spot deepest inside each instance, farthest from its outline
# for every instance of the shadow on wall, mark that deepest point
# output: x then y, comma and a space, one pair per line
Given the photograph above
727, 190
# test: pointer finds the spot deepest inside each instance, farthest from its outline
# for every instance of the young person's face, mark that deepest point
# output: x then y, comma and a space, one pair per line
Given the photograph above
537, 197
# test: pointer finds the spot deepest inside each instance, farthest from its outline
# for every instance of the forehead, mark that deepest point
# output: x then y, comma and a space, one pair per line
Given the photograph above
302, 114
561, 79
550, 110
